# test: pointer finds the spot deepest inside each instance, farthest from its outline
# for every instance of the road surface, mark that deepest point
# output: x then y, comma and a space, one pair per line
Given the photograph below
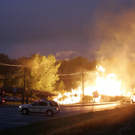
10, 117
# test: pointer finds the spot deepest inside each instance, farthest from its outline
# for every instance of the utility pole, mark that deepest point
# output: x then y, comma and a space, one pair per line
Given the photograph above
24, 86
83, 84
24, 81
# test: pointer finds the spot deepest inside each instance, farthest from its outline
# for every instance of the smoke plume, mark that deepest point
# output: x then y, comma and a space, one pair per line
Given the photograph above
114, 38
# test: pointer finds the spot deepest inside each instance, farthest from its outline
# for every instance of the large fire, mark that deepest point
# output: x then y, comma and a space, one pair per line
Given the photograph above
106, 85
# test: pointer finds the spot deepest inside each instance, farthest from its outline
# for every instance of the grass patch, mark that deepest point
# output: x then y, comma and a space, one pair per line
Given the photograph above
116, 121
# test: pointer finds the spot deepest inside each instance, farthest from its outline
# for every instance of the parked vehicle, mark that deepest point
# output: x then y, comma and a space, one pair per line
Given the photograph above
15, 99
132, 99
2, 101
6, 98
41, 106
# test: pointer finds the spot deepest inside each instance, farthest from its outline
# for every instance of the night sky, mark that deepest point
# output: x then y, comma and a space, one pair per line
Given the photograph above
94, 29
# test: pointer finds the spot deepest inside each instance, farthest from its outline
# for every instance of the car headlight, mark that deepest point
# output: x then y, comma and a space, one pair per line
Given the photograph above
20, 106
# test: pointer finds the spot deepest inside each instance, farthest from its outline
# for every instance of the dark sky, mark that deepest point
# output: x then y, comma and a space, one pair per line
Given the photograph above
64, 28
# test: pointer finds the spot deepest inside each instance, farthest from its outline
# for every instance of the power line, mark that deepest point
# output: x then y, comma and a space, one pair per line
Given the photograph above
12, 76
70, 77
69, 74
4, 64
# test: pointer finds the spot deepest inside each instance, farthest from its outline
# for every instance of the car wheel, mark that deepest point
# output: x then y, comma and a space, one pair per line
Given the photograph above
49, 113
25, 111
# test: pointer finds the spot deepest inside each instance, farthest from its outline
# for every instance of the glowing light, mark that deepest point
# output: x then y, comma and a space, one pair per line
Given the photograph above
70, 97
100, 68
106, 85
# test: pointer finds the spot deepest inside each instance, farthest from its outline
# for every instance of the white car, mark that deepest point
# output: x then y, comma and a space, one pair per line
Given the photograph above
132, 99
40, 106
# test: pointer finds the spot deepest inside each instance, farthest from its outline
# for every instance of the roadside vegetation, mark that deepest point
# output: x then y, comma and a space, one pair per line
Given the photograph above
41, 72
118, 121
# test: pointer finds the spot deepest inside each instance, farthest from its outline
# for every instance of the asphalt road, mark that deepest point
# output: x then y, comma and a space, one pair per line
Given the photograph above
10, 117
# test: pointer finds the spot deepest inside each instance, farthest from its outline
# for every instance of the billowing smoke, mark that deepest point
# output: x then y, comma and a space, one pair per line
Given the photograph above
114, 38
117, 36
66, 55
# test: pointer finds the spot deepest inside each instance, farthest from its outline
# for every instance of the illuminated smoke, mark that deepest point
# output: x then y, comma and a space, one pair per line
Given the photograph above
113, 42
113, 38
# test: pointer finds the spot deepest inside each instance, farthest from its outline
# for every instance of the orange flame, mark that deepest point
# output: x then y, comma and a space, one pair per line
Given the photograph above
107, 85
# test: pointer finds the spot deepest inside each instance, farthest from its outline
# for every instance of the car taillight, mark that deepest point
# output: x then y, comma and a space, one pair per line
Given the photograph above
3, 100
57, 108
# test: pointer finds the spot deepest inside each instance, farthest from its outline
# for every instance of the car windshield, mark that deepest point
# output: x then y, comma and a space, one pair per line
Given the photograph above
33, 102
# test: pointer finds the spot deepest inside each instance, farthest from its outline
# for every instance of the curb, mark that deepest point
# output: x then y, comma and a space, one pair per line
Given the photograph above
75, 105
